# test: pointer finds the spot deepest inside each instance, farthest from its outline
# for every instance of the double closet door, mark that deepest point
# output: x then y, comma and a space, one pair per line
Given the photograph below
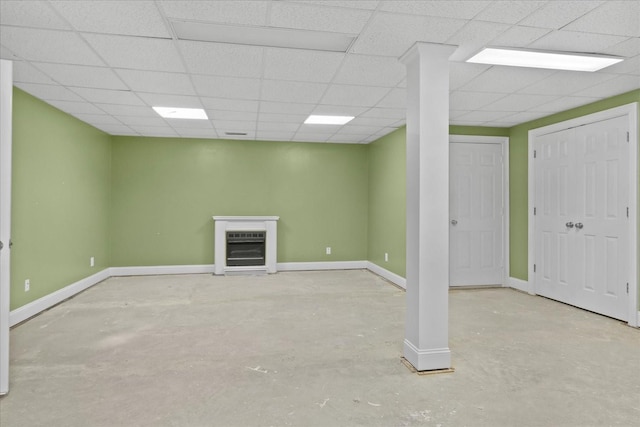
581, 217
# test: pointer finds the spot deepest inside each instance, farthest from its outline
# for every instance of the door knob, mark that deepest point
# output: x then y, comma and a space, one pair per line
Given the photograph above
454, 222
579, 225
569, 224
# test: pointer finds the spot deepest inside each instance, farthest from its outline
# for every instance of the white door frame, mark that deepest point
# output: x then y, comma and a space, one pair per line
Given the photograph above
504, 142
631, 112
6, 102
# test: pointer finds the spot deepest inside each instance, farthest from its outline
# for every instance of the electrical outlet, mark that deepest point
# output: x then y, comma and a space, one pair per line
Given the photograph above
92, 262
27, 285
386, 257
328, 250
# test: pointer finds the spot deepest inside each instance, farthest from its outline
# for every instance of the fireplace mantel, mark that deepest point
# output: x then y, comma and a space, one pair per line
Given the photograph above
245, 223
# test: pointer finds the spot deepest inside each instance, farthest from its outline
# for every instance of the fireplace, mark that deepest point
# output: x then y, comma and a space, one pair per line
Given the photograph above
245, 248
245, 244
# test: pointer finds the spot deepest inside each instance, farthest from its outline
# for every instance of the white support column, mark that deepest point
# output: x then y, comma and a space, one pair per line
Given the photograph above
426, 344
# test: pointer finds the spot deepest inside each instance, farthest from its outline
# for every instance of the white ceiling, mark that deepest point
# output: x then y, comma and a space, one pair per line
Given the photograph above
108, 62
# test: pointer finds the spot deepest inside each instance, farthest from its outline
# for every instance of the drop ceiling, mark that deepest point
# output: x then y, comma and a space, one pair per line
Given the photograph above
108, 62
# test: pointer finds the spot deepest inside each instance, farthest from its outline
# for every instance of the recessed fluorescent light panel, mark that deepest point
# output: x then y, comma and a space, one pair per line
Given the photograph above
181, 113
263, 36
542, 59
327, 120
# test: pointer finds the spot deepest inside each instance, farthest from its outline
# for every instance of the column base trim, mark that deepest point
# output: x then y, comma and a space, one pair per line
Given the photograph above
427, 359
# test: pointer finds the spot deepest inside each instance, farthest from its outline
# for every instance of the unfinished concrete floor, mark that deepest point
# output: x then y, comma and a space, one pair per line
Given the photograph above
312, 349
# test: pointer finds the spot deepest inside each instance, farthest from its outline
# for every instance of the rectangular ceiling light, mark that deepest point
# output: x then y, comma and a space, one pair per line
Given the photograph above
544, 59
181, 113
327, 120
262, 36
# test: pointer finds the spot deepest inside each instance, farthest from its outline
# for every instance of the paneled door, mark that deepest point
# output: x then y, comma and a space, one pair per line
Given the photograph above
581, 222
476, 211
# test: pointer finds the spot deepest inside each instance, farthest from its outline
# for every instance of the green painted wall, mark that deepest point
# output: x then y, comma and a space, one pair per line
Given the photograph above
518, 175
165, 192
60, 199
387, 201
387, 195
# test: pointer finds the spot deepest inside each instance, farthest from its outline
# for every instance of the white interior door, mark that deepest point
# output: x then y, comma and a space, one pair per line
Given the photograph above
582, 227
6, 95
476, 214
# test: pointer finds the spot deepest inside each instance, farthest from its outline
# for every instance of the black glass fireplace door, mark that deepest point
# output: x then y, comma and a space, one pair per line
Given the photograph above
245, 248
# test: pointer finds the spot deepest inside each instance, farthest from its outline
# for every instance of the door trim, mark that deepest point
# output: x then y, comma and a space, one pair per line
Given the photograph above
504, 142
631, 112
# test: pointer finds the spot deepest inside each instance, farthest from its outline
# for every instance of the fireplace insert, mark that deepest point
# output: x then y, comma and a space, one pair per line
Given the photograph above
246, 248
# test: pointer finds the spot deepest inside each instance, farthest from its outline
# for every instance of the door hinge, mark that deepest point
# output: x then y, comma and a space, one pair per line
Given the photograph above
535, 211
534, 268
627, 211
627, 136
535, 153
627, 287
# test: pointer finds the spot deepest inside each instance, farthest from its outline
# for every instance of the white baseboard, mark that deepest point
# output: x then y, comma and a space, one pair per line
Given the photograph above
330, 265
161, 269
390, 276
29, 310
519, 284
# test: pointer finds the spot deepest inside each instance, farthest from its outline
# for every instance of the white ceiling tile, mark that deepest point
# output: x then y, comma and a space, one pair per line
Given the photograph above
351, 129
222, 59
98, 119
447, 9
371, 71
557, 14
456, 114
282, 118
628, 66
352, 4
338, 110
620, 84
505, 79
116, 129
81, 75
128, 110
396, 98
474, 36
613, 17
309, 17
227, 87
460, 100
227, 12
26, 73
178, 124
233, 125
164, 100
142, 121
519, 102
138, 53
72, 107
484, 116
159, 82
467, 123
138, 18
222, 115
282, 91
373, 121
460, 73
354, 95
286, 127
36, 14
301, 65
310, 137
508, 12
571, 41
197, 133
627, 48
229, 104
394, 113
48, 46
562, 104
108, 96
285, 107
346, 138
392, 35
327, 130
566, 83
49, 92
156, 131
519, 36
7, 54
